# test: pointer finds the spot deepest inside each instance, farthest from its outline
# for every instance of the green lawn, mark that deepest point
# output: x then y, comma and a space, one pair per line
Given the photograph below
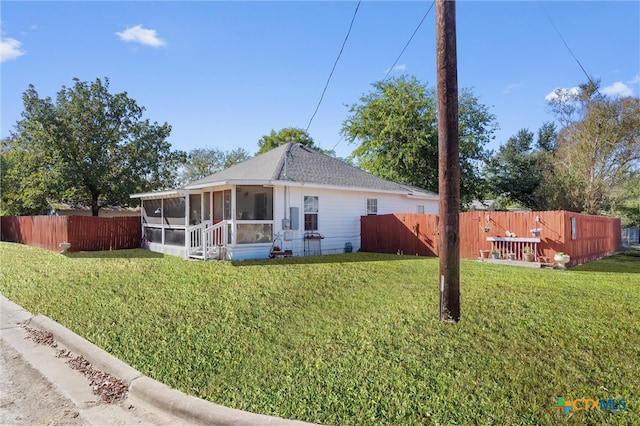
354, 338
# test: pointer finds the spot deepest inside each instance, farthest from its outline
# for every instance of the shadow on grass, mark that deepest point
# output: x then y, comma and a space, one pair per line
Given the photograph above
625, 262
114, 254
328, 258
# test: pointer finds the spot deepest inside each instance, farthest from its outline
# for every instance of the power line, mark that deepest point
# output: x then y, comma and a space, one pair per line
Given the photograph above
565, 43
334, 65
400, 55
339, 140
408, 42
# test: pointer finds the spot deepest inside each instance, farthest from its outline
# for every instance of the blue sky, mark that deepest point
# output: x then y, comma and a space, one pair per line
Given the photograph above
224, 74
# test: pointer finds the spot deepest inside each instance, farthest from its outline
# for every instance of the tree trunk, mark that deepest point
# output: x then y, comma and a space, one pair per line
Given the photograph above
95, 208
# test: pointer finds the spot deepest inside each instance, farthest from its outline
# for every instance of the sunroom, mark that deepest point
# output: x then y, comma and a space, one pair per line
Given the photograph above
208, 223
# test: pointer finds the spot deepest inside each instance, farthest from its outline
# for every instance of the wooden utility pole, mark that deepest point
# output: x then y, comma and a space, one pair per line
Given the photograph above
448, 160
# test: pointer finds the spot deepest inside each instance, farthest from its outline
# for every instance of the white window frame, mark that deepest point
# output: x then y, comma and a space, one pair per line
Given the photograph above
372, 206
311, 208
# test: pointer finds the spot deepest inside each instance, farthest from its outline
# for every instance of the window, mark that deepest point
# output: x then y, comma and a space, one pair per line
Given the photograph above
174, 211
174, 237
372, 206
194, 209
206, 213
165, 219
574, 230
222, 205
152, 212
153, 235
254, 203
254, 233
421, 208
310, 213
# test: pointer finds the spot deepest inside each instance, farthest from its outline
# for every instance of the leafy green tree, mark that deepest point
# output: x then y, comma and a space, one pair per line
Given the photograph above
94, 147
627, 202
598, 150
202, 162
395, 126
27, 179
286, 135
518, 170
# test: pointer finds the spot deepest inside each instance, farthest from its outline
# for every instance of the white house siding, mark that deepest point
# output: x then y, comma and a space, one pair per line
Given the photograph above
339, 215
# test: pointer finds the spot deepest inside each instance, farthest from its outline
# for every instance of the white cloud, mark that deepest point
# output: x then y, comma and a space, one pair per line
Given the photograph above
10, 49
141, 35
401, 67
562, 94
617, 89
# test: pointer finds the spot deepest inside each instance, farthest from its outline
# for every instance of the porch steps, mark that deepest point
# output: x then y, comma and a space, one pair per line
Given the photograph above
213, 253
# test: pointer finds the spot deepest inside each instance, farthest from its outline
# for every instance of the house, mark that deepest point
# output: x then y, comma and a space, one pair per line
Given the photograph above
291, 200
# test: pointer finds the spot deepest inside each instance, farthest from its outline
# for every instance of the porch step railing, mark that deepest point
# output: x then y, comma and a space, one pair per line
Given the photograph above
207, 241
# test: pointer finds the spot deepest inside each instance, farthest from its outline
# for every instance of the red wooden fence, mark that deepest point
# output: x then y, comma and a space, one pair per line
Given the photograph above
583, 237
85, 233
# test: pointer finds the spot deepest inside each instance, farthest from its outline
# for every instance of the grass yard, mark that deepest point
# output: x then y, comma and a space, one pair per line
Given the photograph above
354, 338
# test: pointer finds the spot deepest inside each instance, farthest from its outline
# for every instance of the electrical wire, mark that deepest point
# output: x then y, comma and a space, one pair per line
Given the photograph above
565, 43
408, 42
339, 140
399, 56
334, 66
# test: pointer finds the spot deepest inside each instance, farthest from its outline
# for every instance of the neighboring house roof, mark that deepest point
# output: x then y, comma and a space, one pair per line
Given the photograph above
294, 164
74, 208
61, 205
482, 205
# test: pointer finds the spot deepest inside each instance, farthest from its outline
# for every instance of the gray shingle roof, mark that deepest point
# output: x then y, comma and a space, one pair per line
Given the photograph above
294, 162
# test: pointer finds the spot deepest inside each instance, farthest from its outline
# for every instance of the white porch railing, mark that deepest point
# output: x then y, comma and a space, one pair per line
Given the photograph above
206, 240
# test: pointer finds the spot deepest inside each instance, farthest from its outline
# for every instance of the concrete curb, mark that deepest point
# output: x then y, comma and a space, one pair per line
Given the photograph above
171, 401
100, 359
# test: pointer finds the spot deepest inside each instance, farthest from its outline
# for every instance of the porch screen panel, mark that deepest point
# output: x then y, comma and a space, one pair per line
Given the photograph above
153, 235
227, 204
206, 214
222, 205
194, 209
152, 211
174, 237
254, 203
254, 233
174, 211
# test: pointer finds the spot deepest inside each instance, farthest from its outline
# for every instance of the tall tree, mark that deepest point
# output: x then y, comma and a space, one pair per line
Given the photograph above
95, 147
519, 168
28, 179
202, 162
286, 135
395, 126
597, 151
